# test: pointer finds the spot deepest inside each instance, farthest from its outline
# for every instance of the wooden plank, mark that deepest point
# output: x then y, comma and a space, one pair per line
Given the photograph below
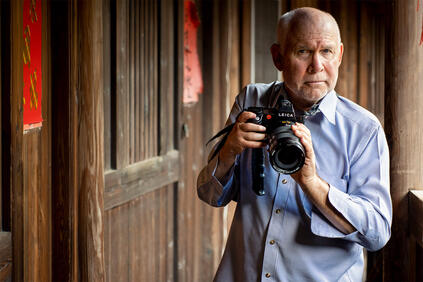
5, 247
347, 83
365, 66
107, 84
137, 92
155, 63
121, 76
129, 183
166, 78
117, 221
132, 71
144, 79
246, 23
266, 15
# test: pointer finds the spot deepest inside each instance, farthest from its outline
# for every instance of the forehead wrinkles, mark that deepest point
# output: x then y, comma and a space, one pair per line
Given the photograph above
314, 38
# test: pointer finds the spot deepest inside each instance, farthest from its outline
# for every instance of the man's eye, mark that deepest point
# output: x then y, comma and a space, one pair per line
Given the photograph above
302, 51
327, 51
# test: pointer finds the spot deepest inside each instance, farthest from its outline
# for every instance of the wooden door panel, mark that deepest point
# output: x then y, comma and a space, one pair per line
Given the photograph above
139, 238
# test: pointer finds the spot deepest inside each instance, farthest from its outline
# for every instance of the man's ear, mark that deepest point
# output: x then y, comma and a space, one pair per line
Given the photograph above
275, 49
341, 52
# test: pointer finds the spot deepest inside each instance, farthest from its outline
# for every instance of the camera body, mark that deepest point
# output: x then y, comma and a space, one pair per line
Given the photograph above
286, 153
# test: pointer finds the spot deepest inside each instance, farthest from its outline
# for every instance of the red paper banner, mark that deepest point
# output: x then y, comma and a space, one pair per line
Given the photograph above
32, 88
193, 82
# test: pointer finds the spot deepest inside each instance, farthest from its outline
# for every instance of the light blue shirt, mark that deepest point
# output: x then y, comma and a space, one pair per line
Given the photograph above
280, 236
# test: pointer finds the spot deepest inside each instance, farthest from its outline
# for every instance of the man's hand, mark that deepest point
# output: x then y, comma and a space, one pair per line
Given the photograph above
307, 175
243, 135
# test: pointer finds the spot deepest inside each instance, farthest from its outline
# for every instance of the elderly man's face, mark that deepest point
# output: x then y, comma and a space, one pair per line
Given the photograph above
310, 62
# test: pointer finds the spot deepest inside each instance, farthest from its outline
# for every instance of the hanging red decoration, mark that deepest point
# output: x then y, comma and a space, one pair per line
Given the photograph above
193, 82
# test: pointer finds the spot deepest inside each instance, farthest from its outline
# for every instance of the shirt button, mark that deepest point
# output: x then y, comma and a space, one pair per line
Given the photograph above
267, 275
272, 242
284, 181
278, 211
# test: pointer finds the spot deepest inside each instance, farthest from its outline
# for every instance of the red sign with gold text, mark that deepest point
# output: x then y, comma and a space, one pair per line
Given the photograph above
32, 88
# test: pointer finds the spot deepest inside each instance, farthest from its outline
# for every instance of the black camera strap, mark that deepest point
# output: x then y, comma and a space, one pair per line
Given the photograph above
224, 131
274, 88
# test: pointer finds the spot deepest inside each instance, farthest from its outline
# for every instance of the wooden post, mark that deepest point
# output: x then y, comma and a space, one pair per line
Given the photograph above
16, 110
403, 120
87, 86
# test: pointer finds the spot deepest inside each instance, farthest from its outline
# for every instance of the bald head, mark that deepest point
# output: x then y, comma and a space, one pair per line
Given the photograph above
303, 20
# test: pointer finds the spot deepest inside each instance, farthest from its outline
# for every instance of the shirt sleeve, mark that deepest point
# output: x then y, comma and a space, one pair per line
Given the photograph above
219, 192
367, 203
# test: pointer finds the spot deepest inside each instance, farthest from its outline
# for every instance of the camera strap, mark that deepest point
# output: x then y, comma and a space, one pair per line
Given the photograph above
224, 131
274, 88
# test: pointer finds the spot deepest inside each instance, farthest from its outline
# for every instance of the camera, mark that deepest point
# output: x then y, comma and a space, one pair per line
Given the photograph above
286, 153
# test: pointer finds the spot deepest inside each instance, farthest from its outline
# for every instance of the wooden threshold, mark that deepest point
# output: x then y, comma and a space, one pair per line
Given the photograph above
126, 184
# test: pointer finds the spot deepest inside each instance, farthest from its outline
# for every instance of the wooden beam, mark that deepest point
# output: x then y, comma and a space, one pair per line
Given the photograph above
17, 179
87, 72
404, 72
133, 181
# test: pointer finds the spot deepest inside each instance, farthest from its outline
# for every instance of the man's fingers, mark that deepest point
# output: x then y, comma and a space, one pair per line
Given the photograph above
244, 116
303, 133
252, 127
254, 136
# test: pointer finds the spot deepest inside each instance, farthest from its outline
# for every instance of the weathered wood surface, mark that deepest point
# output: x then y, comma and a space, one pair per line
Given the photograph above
5, 256
126, 184
90, 156
404, 71
17, 176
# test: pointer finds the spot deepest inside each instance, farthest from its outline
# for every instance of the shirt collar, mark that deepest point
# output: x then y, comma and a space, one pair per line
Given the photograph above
327, 105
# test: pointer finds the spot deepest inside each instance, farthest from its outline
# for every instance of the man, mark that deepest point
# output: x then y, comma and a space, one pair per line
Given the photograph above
311, 225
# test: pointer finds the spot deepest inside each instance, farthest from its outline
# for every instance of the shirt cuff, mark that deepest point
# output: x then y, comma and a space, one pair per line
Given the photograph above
225, 183
321, 226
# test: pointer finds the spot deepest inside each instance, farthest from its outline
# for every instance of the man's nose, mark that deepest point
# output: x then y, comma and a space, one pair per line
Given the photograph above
316, 64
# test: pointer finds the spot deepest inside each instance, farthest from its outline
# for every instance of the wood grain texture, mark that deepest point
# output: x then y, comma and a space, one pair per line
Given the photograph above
139, 238
17, 176
90, 139
131, 182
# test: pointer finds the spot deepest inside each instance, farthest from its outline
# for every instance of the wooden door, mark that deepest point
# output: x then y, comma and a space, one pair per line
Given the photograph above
141, 154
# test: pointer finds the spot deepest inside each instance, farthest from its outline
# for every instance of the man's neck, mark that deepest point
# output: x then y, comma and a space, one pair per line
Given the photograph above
300, 104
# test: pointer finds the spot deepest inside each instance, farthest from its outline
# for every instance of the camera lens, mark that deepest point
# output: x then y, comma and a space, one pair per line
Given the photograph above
287, 154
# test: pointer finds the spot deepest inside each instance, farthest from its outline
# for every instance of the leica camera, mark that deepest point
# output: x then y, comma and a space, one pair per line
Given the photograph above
286, 153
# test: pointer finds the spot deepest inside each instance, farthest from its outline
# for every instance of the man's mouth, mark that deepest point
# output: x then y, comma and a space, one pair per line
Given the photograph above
315, 82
